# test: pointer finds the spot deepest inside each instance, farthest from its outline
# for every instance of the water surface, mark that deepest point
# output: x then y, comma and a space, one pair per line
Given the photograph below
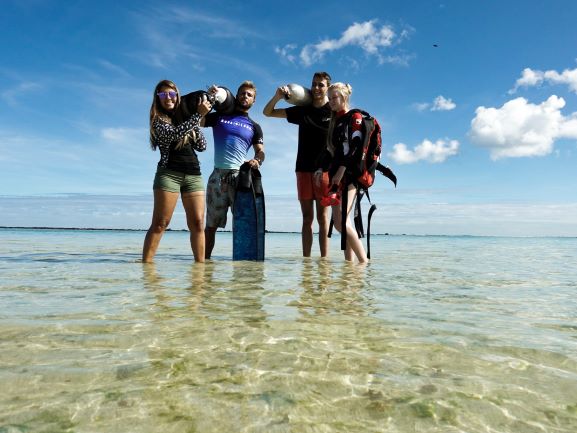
436, 334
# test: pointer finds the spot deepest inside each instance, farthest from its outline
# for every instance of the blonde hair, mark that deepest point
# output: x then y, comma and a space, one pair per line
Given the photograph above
345, 90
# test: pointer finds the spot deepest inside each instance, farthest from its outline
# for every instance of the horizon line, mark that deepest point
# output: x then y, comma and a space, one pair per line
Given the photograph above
281, 232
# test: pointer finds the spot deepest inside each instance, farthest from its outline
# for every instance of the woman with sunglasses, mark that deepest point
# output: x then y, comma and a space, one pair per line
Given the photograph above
178, 171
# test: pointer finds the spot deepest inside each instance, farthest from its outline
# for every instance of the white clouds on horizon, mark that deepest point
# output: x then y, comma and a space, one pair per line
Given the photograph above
522, 129
368, 36
427, 151
532, 78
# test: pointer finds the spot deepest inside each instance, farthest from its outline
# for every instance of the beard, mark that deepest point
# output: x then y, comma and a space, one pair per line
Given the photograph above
243, 106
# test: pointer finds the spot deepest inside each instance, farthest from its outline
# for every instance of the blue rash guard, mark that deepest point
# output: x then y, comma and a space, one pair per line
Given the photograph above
234, 134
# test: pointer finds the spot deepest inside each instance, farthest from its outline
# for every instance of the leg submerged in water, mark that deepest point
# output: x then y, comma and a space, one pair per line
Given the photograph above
354, 244
164, 204
193, 204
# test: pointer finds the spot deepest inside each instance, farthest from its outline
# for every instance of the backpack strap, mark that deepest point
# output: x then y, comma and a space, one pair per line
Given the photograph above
387, 172
359, 218
358, 215
371, 210
344, 207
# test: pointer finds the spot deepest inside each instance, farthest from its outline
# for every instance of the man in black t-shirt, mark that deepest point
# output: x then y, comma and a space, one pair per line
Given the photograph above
313, 121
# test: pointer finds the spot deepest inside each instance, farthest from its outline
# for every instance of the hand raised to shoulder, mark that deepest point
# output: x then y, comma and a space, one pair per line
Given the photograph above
204, 106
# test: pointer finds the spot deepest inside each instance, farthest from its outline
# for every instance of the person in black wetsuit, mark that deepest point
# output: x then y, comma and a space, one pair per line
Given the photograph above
313, 121
178, 171
340, 154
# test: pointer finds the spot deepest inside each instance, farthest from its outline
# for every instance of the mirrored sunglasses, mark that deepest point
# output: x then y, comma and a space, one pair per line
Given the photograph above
171, 94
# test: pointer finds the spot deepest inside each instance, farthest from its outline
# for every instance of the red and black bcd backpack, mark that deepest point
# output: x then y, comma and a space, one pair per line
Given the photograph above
369, 153
362, 172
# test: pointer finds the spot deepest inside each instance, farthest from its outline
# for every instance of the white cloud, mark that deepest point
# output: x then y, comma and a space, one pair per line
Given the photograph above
427, 151
531, 78
286, 52
520, 128
440, 103
171, 33
214, 26
113, 68
367, 35
399, 60
568, 77
11, 95
123, 135
421, 106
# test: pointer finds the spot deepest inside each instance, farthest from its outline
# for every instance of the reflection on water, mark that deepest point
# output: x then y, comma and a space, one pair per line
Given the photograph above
423, 339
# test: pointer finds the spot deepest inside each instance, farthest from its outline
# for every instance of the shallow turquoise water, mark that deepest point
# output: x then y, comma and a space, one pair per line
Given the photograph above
436, 334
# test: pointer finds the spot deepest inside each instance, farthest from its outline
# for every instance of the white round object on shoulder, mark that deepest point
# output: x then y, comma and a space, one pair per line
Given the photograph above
299, 95
220, 95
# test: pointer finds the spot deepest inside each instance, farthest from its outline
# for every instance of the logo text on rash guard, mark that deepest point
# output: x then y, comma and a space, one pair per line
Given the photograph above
235, 123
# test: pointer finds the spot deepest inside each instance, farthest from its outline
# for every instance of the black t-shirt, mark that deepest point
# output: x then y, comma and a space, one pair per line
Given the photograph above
313, 125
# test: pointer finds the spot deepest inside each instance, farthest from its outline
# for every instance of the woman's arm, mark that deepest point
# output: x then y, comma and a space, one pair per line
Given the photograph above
165, 133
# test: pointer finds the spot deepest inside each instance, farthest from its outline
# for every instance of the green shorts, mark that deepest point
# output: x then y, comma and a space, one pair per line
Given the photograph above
176, 181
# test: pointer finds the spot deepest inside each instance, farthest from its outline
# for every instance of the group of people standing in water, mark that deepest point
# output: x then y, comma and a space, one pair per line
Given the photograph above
323, 156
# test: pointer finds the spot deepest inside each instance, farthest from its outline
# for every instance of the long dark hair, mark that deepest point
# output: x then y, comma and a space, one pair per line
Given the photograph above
156, 109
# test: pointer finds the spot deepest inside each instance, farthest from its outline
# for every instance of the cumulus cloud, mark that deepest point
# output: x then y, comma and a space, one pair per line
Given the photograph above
370, 37
440, 103
531, 78
427, 151
520, 128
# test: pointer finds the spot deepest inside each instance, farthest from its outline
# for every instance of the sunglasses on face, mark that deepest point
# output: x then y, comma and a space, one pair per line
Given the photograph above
164, 95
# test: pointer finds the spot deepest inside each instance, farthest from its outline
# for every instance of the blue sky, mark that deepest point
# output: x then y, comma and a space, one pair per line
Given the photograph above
481, 129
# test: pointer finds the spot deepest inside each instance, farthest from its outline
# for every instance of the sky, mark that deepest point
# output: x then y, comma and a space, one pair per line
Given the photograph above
477, 101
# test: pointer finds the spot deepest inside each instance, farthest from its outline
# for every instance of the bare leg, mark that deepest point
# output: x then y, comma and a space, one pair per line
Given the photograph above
193, 203
164, 204
209, 235
323, 219
307, 211
354, 244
